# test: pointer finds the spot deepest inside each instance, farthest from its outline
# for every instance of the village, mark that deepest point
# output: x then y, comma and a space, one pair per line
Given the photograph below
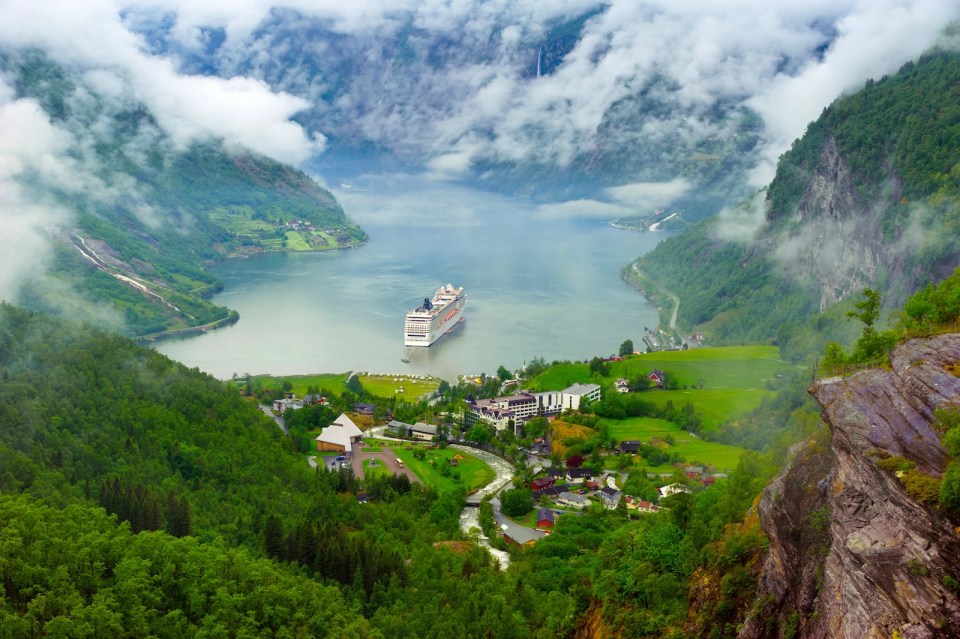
554, 486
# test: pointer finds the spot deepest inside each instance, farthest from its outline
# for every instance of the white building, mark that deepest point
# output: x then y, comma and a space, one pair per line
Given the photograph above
573, 395
341, 436
673, 489
525, 405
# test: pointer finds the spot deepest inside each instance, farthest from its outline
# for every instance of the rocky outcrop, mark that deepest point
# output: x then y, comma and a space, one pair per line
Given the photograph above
852, 554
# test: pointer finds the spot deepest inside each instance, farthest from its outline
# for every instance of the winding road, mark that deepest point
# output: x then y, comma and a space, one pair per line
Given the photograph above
670, 294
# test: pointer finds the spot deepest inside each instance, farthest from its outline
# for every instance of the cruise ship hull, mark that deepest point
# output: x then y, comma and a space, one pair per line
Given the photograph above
425, 325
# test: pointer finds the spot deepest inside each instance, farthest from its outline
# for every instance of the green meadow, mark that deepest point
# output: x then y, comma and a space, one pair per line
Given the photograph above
714, 405
472, 472
720, 382
405, 386
691, 448
333, 382
380, 385
712, 367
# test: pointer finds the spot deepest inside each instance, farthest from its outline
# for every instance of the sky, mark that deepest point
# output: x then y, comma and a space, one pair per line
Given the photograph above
268, 82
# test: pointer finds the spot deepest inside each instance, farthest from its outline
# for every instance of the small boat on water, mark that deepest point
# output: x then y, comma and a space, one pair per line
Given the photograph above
404, 360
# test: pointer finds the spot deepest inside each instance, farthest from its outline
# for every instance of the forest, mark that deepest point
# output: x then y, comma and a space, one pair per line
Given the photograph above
140, 497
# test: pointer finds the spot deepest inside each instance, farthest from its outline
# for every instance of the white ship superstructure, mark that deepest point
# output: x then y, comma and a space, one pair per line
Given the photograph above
434, 318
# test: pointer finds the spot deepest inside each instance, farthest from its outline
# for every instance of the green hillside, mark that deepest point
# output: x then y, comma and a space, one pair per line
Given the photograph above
135, 247
898, 146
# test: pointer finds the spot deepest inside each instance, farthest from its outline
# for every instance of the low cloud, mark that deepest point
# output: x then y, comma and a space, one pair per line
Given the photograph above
741, 223
29, 145
93, 37
449, 84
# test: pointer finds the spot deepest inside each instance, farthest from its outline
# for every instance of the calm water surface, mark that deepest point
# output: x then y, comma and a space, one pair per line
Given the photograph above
536, 286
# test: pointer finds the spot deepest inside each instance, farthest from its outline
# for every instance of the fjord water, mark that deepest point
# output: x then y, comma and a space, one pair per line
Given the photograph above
537, 285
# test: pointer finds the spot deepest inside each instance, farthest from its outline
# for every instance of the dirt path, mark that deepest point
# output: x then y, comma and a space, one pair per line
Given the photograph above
385, 459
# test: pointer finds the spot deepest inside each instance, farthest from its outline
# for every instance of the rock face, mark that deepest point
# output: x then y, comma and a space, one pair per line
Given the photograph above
852, 554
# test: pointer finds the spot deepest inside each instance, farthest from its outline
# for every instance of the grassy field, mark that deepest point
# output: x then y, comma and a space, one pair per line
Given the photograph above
390, 385
472, 472
374, 470
380, 385
714, 405
721, 367
300, 383
720, 382
693, 450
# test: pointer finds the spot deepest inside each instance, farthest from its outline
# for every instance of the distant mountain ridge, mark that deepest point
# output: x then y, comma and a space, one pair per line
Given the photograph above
868, 197
137, 238
362, 86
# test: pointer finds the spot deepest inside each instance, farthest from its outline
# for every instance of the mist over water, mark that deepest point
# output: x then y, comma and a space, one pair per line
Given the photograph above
536, 287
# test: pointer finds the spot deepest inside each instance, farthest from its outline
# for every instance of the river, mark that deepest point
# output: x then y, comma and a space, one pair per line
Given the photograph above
538, 285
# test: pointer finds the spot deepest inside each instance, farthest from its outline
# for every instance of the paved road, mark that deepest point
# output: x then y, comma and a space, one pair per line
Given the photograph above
269, 413
670, 294
384, 459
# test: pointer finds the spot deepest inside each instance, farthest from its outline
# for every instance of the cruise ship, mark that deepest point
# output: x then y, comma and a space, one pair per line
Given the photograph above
430, 321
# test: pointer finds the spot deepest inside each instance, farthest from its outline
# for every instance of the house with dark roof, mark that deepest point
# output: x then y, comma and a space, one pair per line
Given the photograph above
398, 429
364, 409
657, 376
630, 446
426, 432
542, 483
579, 475
552, 491
545, 518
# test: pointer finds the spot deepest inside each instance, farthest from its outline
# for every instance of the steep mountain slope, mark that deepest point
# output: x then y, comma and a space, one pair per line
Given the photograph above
138, 214
868, 197
858, 547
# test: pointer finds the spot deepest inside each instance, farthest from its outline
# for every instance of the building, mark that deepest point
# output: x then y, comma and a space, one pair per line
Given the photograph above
622, 385
542, 483
657, 376
499, 411
573, 395
398, 428
578, 475
545, 518
610, 497
630, 446
340, 436
572, 500
673, 489
282, 405
426, 432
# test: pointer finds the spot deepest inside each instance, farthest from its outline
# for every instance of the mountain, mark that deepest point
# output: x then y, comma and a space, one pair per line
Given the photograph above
868, 197
859, 545
406, 94
136, 215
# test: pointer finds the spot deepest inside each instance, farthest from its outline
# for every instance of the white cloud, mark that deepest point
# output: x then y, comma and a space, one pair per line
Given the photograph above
92, 36
479, 100
741, 223
28, 144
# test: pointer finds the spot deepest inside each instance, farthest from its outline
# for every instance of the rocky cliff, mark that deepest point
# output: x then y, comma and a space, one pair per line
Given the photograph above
853, 553
834, 242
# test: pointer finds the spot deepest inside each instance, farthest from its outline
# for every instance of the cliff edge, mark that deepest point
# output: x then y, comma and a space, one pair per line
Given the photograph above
853, 552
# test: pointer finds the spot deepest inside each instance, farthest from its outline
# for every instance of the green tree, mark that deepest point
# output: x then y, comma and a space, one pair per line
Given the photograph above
626, 348
599, 366
516, 502
503, 374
